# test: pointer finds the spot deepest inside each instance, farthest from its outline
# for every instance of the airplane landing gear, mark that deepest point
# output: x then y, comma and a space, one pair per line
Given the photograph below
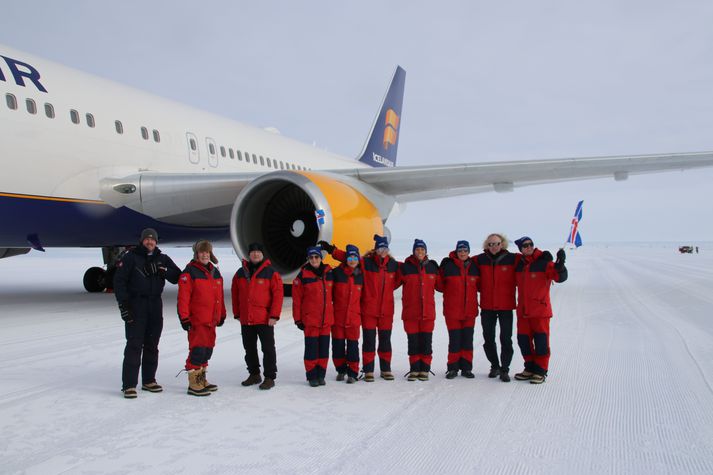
96, 279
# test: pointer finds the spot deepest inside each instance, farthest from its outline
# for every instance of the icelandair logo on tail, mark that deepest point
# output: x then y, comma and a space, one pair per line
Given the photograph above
391, 127
383, 160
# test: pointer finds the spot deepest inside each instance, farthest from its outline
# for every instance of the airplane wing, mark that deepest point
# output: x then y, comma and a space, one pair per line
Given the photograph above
430, 182
207, 199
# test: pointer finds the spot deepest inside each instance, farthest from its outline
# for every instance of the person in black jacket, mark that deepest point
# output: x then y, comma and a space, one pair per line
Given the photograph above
138, 283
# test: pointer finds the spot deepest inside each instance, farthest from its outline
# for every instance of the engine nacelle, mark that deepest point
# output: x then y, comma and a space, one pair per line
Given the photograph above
290, 211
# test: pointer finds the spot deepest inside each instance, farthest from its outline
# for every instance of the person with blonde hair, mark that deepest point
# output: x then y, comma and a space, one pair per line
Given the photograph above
497, 301
201, 308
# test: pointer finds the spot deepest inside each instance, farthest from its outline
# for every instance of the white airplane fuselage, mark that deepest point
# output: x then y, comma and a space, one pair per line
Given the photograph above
52, 167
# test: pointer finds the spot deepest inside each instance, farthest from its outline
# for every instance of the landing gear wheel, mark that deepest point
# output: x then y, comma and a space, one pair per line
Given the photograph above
95, 279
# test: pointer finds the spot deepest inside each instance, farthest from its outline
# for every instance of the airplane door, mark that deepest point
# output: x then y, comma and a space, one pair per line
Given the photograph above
212, 152
194, 154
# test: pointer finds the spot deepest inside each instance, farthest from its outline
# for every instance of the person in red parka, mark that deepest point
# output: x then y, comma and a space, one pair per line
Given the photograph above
459, 284
201, 308
313, 312
257, 303
419, 276
377, 304
348, 282
534, 275
497, 301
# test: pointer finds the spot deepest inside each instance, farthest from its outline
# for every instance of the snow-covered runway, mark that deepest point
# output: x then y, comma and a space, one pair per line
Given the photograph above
630, 387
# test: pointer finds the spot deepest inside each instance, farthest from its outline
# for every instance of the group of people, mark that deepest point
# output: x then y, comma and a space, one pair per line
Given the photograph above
335, 306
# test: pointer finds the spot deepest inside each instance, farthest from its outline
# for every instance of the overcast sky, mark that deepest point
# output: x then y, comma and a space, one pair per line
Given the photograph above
485, 81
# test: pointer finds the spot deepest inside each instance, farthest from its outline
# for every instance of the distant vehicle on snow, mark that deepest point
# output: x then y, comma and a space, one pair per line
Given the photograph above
685, 249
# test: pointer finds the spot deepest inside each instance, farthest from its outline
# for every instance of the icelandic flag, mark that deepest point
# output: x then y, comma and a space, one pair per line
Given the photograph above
574, 238
319, 214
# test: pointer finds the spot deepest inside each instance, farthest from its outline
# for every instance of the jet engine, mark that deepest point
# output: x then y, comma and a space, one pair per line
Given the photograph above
289, 211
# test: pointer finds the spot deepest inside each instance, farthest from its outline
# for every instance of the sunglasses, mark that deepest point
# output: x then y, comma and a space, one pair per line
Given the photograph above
493, 244
352, 258
526, 245
314, 257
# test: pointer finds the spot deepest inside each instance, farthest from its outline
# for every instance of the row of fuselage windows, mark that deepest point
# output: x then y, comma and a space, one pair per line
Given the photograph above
74, 117
242, 155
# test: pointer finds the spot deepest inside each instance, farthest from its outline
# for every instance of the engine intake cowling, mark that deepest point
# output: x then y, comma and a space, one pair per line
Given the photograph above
290, 211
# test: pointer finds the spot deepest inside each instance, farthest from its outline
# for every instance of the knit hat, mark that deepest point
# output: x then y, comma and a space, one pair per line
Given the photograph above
352, 250
204, 246
522, 240
256, 246
380, 242
149, 233
463, 245
419, 243
314, 251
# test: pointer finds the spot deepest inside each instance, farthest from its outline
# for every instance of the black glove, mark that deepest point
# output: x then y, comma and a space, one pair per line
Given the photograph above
560, 258
326, 246
220, 323
125, 312
300, 325
186, 324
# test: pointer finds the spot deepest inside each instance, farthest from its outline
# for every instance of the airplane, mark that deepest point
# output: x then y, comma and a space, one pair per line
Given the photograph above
88, 162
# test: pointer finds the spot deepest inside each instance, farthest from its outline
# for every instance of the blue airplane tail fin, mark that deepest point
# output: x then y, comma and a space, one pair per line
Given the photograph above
383, 141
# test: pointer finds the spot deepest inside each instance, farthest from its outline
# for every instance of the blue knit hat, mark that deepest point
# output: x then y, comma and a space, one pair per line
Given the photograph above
463, 245
419, 243
314, 251
352, 250
522, 240
380, 242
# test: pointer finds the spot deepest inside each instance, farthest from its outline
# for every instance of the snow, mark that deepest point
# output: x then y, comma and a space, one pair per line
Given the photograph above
630, 387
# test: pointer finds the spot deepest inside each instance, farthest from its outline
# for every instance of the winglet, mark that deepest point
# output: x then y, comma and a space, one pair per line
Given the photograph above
383, 141
574, 238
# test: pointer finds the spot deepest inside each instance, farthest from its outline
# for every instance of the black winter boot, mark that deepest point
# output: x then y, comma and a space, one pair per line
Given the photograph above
267, 384
494, 372
252, 379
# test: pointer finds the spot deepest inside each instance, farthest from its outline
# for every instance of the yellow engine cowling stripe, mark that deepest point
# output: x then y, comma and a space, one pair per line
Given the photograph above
355, 219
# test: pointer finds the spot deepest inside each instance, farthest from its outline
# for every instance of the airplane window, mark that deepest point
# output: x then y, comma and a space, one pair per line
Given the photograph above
282, 165
144, 133
254, 159
31, 106
230, 152
269, 164
119, 127
262, 161
156, 136
293, 166
211, 148
240, 155
193, 145
222, 151
74, 116
90, 120
49, 110
11, 101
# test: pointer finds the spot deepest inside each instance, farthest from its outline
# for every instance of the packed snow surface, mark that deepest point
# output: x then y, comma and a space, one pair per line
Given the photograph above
630, 387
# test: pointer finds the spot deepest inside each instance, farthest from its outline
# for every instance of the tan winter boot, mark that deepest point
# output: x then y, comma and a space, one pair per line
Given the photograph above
195, 383
210, 387
369, 377
387, 375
